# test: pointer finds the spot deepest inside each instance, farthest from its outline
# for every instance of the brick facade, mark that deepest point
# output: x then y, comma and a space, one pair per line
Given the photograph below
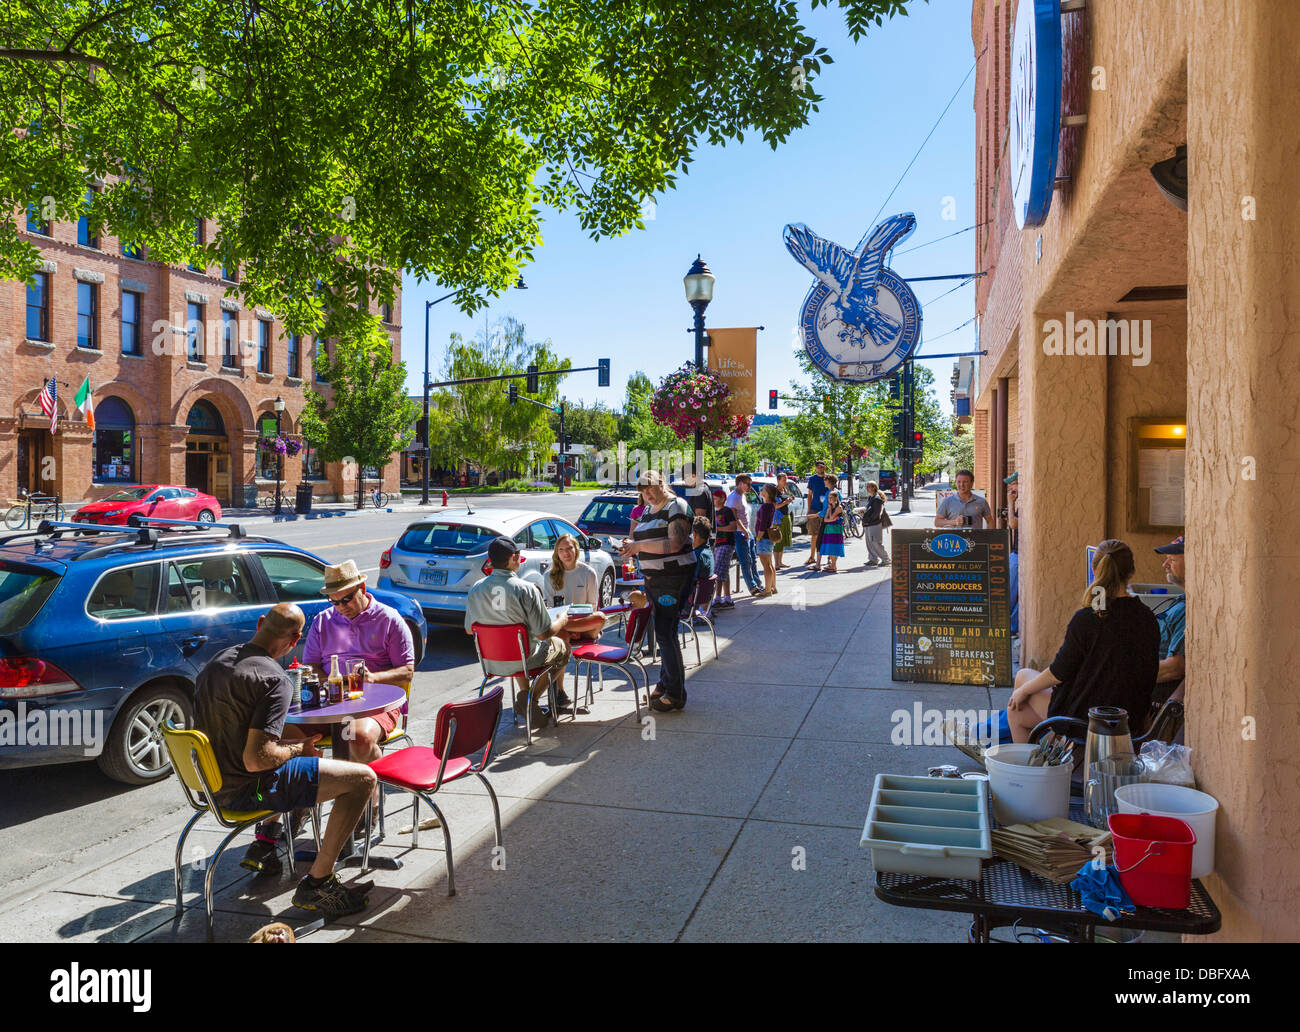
158, 388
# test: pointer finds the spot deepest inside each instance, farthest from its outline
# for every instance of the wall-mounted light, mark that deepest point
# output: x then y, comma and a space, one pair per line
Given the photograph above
1171, 178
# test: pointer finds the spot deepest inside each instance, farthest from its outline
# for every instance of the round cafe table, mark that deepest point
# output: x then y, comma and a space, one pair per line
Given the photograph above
375, 699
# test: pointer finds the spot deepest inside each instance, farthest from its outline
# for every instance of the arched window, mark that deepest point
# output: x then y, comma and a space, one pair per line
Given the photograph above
114, 441
205, 419
266, 459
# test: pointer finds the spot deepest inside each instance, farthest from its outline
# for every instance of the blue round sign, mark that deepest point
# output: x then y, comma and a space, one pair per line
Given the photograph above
949, 545
1035, 116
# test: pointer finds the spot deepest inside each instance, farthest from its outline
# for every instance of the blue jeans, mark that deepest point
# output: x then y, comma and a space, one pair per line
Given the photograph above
668, 597
745, 557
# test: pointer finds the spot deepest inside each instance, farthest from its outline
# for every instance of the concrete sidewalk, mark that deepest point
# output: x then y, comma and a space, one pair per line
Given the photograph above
735, 819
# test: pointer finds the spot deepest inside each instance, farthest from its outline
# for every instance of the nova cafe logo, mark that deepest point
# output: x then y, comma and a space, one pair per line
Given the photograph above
96, 985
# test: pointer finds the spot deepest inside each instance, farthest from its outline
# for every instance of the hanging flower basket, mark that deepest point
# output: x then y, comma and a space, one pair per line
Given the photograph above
281, 445
691, 399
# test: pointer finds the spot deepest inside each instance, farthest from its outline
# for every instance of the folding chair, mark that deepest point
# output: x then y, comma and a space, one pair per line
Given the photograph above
701, 597
200, 779
510, 643
593, 652
462, 729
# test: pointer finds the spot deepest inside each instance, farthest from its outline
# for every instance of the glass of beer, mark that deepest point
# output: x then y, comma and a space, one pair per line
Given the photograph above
355, 668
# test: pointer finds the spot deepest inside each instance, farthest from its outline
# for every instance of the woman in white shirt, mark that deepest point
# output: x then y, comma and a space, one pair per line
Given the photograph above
573, 582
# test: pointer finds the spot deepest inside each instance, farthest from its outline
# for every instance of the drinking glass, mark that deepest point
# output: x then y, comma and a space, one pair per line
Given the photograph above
1104, 776
355, 668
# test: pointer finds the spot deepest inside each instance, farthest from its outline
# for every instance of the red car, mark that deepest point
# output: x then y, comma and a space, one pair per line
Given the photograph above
163, 501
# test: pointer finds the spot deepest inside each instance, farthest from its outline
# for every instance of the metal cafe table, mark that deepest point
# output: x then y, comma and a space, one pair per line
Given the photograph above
375, 699
1007, 894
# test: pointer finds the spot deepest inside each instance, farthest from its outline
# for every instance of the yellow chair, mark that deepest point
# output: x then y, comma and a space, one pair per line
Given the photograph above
196, 768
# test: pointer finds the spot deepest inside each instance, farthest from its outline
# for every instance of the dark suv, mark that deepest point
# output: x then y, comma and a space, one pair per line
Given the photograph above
102, 637
608, 515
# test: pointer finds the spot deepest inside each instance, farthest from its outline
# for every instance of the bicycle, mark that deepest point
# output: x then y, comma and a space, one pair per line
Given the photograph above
852, 522
19, 516
380, 499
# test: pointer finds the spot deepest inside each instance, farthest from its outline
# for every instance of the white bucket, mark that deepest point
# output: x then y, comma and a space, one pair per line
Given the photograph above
1022, 793
1197, 809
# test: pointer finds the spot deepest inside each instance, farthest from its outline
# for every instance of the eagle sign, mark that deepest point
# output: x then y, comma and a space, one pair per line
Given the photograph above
860, 321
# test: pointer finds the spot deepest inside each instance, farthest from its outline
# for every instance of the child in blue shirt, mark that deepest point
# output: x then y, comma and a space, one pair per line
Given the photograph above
701, 531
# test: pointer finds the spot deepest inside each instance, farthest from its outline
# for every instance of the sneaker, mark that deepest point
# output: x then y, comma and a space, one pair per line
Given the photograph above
962, 737
562, 698
871, 563
262, 858
331, 898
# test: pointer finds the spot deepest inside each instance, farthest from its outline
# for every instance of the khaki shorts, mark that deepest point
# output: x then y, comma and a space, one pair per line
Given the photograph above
814, 525
555, 656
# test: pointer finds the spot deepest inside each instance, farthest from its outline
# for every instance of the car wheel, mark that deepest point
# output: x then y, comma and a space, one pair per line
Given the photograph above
607, 589
419, 642
205, 516
135, 752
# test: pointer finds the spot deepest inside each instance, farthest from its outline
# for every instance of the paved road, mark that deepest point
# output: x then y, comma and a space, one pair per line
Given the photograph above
55, 820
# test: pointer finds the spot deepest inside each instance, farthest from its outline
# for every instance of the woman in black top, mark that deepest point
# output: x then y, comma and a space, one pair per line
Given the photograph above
1109, 657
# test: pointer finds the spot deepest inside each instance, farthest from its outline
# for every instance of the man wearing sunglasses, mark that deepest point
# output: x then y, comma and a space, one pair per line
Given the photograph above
357, 626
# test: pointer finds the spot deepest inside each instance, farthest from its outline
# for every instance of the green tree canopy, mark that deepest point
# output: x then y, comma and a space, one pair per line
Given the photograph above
340, 142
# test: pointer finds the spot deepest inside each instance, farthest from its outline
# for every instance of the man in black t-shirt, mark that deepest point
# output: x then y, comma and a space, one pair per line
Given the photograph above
241, 700
698, 495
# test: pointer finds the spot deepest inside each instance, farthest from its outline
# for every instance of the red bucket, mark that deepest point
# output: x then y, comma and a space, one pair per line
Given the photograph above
1154, 858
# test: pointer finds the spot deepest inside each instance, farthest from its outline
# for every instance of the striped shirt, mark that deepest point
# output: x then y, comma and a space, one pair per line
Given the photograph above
653, 526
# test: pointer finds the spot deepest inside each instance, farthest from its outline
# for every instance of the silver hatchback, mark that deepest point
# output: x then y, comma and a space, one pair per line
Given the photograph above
439, 558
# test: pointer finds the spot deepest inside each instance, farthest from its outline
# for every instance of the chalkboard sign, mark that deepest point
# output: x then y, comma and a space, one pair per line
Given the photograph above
951, 606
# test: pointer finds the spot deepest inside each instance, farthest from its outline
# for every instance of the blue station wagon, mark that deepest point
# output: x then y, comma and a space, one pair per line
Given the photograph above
102, 637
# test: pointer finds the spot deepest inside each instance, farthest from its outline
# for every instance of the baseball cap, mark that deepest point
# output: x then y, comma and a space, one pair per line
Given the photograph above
1175, 547
500, 550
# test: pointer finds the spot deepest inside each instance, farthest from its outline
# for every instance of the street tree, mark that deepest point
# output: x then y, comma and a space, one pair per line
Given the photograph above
340, 143
363, 416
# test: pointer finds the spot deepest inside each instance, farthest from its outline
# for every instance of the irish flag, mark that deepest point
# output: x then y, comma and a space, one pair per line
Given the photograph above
85, 404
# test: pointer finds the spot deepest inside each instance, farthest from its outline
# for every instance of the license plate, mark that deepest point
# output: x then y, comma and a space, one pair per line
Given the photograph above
434, 577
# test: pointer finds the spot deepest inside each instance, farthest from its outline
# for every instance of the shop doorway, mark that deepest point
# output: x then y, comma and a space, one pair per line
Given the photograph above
30, 459
207, 453
197, 470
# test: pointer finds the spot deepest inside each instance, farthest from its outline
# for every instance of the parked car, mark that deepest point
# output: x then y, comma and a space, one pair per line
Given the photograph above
161, 501
607, 516
888, 482
437, 559
798, 508
115, 627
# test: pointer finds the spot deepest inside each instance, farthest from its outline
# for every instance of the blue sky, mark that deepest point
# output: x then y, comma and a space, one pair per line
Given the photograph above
622, 299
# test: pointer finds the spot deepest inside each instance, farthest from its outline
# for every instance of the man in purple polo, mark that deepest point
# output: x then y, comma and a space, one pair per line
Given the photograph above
359, 626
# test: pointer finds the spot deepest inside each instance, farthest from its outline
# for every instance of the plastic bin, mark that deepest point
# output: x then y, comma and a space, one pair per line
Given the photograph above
1154, 858
302, 498
1197, 809
929, 826
1022, 793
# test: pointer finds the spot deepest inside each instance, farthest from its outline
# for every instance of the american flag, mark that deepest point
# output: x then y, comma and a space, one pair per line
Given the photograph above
49, 403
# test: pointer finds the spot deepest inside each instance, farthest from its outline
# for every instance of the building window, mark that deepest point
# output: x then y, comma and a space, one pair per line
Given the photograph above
38, 307
320, 347
194, 332
229, 327
88, 315
132, 251
198, 239
268, 459
230, 272
35, 224
312, 467
386, 313
131, 343
86, 236
295, 356
114, 446
263, 346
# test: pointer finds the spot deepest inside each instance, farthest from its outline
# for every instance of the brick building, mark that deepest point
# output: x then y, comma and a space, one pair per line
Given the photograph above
1196, 431
184, 377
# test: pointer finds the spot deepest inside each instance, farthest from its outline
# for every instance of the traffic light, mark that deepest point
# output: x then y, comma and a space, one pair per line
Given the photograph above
898, 427
894, 389
918, 442
532, 378
602, 374
514, 393
422, 430
771, 399
826, 402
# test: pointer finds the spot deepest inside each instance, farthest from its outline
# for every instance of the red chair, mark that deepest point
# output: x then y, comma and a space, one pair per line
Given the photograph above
510, 643
593, 652
463, 730
701, 598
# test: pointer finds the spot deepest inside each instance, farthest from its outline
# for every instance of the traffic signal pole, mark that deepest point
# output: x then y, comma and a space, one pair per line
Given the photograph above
909, 421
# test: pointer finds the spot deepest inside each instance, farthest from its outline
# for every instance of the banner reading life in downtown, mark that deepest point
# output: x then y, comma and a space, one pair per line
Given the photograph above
951, 606
733, 354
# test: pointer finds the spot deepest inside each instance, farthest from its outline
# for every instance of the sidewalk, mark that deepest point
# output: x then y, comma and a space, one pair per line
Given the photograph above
735, 819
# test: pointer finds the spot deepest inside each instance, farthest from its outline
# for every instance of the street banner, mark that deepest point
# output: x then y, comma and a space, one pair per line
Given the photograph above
733, 354
951, 610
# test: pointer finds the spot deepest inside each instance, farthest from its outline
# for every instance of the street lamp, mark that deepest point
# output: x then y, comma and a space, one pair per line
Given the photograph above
699, 292
519, 284
279, 455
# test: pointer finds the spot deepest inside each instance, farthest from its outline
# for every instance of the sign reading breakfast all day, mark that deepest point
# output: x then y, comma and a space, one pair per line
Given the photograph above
951, 606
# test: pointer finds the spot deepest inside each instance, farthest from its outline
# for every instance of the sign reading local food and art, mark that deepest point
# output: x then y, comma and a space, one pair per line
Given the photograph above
860, 320
951, 610
1035, 126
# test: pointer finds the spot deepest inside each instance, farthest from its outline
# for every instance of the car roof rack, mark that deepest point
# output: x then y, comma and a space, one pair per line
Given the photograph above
234, 530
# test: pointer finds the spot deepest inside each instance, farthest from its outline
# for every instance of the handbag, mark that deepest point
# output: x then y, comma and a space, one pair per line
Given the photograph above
773, 533
885, 521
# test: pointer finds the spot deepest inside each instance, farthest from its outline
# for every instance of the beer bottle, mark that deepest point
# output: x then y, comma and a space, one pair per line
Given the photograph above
335, 682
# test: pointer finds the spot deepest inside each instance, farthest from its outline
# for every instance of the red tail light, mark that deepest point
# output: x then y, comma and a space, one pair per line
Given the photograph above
29, 678
385, 558
486, 567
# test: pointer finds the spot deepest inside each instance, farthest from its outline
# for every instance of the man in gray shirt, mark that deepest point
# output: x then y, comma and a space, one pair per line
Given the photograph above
503, 598
964, 509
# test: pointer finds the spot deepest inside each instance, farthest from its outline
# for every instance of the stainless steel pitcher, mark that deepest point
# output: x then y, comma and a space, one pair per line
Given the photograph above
1107, 736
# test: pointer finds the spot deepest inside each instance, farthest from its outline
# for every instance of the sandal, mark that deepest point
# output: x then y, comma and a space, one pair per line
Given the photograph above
666, 703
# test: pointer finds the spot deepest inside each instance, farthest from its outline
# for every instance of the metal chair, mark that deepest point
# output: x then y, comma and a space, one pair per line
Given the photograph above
510, 643
462, 729
701, 597
594, 653
200, 779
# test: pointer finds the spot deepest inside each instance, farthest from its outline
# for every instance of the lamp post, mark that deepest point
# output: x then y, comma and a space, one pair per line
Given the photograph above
699, 292
279, 455
519, 284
